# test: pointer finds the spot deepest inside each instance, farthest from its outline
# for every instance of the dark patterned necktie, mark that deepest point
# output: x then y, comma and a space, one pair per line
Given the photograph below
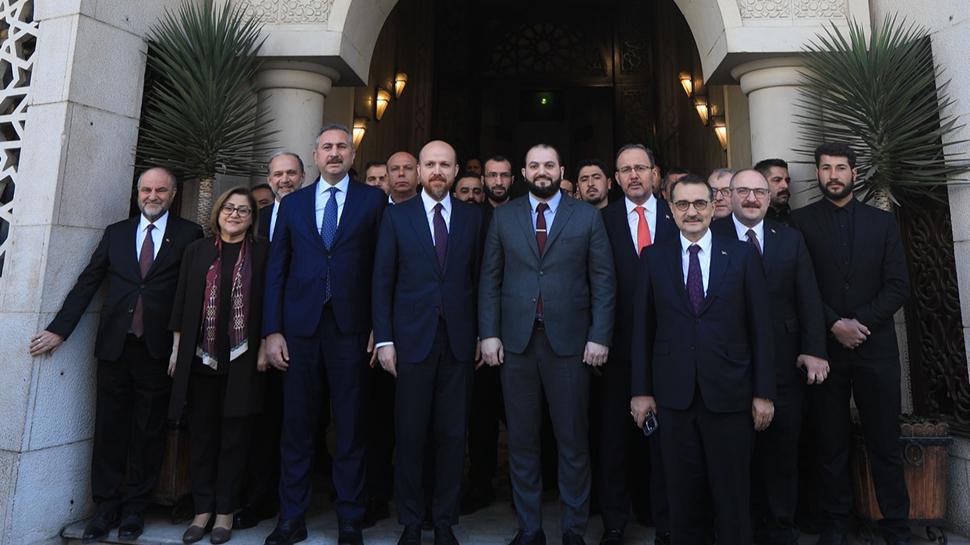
753, 240
328, 230
541, 237
145, 259
695, 281
440, 235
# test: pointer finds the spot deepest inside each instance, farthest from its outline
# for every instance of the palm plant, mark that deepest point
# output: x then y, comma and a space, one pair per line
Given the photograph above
201, 116
880, 95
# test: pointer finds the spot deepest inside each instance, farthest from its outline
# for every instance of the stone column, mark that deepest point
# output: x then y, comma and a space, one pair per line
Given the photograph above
294, 94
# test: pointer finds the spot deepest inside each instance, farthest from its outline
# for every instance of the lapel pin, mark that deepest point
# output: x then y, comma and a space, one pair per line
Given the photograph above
723, 252
773, 230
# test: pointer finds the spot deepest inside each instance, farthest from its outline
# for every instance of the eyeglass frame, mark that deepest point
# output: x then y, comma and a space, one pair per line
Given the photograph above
241, 211
684, 205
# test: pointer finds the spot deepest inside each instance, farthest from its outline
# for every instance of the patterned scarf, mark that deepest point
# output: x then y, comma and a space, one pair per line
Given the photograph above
239, 306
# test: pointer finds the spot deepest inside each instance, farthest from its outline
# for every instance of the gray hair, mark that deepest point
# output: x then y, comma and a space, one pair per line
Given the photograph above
333, 127
283, 154
718, 173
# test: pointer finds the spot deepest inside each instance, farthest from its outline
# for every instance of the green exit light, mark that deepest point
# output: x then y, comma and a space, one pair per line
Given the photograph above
544, 101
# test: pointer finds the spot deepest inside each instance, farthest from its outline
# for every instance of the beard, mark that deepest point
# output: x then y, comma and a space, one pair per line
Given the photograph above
493, 197
543, 192
836, 194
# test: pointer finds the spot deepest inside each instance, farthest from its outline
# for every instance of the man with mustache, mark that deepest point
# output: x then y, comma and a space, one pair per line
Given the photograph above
285, 176
546, 305
779, 181
861, 269
469, 189
402, 177
702, 356
593, 183
720, 181
425, 329
796, 318
498, 180
140, 259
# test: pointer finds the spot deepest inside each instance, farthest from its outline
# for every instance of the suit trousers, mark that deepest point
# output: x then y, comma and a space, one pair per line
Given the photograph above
339, 361
877, 398
217, 454
774, 471
380, 430
431, 414
565, 381
483, 425
262, 474
707, 459
129, 428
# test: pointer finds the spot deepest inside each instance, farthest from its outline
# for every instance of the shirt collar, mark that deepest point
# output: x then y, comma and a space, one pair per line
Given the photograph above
341, 185
650, 205
742, 229
553, 202
705, 242
430, 203
160, 223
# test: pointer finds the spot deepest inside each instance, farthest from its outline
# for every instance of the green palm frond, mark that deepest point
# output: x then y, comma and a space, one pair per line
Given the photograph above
202, 117
881, 96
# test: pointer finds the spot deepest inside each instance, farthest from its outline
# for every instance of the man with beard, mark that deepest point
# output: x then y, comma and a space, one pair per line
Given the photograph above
403, 177
469, 189
428, 256
140, 258
375, 175
720, 182
796, 318
498, 183
861, 269
546, 306
779, 182
285, 176
593, 183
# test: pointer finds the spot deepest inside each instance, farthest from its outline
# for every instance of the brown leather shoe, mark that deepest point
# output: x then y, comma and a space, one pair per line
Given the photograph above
220, 535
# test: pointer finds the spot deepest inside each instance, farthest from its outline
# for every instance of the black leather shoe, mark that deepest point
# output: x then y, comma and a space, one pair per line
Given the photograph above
349, 533
662, 539
411, 535
287, 532
570, 538
98, 527
475, 499
529, 538
832, 537
248, 518
444, 536
132, 525
612, 537
376, 511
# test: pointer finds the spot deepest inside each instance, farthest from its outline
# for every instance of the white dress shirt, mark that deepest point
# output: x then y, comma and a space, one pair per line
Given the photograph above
742, 229
429, 205
704, 256
272, 219
157, 234
323, 197
550, 214
634, 219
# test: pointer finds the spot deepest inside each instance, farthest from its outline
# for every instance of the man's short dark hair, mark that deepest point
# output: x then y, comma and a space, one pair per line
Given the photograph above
263, 185
591, 163
675, 170
641, 147
369, 164
333, 127
764, 166
691, 179
497, 158
299, 160
835, 149
541, 145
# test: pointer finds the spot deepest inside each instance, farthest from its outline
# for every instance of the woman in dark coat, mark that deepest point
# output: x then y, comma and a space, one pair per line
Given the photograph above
217, 356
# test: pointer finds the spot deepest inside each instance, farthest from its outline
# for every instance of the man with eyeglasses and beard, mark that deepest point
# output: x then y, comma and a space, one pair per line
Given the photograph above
702, 356
498, 180
861, 269
546, 304
779, 182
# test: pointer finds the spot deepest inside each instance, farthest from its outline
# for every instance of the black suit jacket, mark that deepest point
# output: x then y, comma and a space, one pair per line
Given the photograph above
411, 291
116, 259
627, 265
726, 350
796, 306
873, 286
265, 217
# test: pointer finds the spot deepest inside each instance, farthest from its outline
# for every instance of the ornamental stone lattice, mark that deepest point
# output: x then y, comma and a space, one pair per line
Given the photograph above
787, 10
290, 11
18, 40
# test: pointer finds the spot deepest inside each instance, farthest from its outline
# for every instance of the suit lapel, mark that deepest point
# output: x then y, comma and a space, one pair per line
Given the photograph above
456, 229
665, 221
566, 207
419, 222
622, 225
309, 212
858, 238
166, 245
131, 245
524, 215
720, 257
769, 247
675, 261
349, 214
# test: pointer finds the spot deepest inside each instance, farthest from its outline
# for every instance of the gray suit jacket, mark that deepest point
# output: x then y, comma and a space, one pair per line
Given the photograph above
574, 275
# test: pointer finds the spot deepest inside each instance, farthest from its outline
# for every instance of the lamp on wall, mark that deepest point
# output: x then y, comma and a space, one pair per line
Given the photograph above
400, 82
360, 128
380, 105
687, 82
700, 104
720, 130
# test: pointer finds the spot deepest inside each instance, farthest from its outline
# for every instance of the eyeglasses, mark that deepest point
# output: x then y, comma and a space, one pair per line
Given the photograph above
723, 192
640, 169
243, 211
743, 192
700, 205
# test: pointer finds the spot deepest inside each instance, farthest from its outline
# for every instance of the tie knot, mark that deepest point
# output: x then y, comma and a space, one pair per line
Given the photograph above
333, 191
693, 249
751, 234
149, 228
438, 208
541, 208
640, 210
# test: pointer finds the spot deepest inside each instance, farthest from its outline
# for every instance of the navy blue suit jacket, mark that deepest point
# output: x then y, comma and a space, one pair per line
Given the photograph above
299, 263
410, 288
265, 217
627, 264
726, 350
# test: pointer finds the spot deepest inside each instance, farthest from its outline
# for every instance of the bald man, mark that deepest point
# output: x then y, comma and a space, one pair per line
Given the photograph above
402, 177
424, 308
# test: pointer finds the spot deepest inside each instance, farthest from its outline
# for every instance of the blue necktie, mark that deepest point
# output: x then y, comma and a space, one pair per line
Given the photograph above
695, 282
329, 228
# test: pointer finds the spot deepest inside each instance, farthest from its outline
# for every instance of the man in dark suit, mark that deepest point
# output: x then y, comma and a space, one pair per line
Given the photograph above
632, 224
286, 175
546, 306
861, 270
425, 330
140, 257
779, 182
317, 323
702, 354
797, 327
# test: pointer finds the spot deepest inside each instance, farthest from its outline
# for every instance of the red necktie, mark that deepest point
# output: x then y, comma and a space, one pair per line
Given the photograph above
643, 230
145, 259
541, 236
